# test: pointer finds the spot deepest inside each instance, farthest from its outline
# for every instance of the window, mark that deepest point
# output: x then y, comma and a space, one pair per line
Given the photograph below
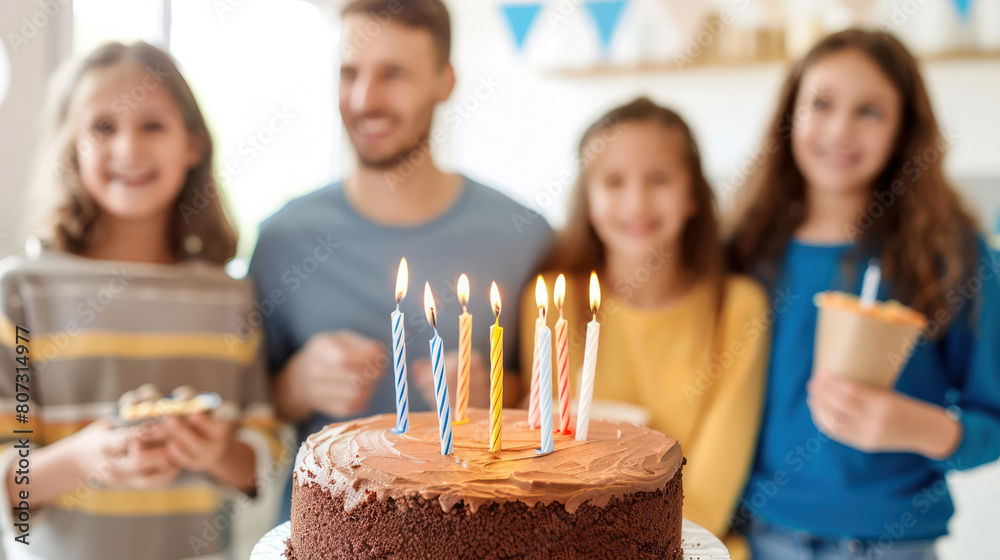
265, 75
98, 21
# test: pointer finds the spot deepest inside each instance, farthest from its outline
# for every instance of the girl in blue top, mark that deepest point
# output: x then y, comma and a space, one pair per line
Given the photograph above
853, 171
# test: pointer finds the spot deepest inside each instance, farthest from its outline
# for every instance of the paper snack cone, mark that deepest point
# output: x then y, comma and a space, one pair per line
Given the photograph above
870, 346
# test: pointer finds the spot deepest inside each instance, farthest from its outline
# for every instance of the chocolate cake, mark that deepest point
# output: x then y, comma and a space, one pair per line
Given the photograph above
362, 492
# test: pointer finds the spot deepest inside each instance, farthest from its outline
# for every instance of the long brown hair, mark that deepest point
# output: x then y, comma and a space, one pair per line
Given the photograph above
578, 250
926, 236
199, 226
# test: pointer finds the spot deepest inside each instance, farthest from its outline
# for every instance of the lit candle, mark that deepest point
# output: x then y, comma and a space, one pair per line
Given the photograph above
869, 285
399, 354
562, 356
440, 381
534, 414
589, 362
544, 368
496, 372
464, 352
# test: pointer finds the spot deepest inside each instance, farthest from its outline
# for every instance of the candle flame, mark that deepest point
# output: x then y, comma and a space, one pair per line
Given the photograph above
595, 293
463, 290
559, 292
495, 300
541, 296
429, 310
402, 277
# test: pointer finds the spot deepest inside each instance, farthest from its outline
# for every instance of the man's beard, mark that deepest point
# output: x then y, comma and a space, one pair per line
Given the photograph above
391, 162
422, 144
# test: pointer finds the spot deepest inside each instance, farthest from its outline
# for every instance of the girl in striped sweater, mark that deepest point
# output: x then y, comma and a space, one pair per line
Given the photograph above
128, 289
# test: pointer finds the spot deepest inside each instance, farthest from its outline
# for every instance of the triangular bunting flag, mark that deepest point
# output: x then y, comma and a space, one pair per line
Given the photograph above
606, 14
520, 17
964, 7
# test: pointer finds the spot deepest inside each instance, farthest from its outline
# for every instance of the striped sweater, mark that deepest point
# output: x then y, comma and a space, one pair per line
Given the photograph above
97, 329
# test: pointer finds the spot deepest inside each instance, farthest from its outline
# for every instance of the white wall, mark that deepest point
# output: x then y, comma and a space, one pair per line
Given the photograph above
521, 134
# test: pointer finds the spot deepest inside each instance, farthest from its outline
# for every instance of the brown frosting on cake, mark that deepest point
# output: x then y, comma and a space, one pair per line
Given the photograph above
356, 458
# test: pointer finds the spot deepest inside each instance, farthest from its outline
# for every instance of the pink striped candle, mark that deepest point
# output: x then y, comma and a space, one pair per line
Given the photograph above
534, 413
562, 357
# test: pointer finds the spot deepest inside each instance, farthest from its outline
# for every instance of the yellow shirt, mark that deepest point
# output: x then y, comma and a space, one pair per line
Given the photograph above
699, 374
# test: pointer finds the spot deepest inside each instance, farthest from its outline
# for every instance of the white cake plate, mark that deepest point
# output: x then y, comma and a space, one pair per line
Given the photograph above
697, 543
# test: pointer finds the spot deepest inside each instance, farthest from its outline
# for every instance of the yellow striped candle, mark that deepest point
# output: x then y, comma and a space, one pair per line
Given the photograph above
496, 373
464, 352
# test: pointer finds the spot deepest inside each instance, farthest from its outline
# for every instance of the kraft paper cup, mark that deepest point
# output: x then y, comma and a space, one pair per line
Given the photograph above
867, 345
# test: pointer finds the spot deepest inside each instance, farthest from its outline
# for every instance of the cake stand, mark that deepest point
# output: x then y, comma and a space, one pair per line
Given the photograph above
697, 543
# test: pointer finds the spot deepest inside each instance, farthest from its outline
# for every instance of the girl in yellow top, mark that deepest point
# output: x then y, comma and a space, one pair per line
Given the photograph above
678, 336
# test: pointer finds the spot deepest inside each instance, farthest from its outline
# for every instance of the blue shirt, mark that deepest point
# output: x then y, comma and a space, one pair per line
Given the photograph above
319, 266
803, 480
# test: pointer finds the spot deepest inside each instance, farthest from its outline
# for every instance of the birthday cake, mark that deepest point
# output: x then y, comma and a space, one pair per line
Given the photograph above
362, 492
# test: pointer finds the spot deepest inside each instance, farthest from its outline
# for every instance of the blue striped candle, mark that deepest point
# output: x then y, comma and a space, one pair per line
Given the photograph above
545, 388
441, 393
399, 373
399, 354
440, 379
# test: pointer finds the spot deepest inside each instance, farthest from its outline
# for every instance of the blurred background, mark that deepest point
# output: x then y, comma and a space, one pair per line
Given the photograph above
531, 76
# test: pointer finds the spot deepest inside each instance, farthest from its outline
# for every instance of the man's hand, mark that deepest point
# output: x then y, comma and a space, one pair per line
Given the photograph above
479, 379
334, 373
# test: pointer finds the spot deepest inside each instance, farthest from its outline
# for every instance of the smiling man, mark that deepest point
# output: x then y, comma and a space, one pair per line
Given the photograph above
325, 265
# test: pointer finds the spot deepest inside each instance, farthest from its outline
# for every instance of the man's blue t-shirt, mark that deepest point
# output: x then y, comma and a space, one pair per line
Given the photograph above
319, 266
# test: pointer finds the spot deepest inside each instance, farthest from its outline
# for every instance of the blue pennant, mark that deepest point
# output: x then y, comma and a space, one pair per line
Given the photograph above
606, 14
964, 8
520, 17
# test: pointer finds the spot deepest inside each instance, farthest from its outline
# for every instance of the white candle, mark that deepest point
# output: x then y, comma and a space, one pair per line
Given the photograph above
589, 363
440, 379
399, 354
869, 286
